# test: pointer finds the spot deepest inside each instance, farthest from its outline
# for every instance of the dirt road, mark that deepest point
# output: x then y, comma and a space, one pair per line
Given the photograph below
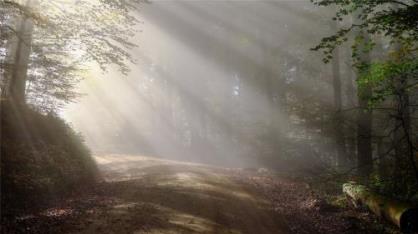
157, 196
148, 195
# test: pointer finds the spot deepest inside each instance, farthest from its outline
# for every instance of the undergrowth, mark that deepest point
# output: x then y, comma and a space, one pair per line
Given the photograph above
42, 160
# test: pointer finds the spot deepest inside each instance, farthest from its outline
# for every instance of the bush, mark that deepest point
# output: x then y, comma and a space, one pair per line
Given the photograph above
42, 160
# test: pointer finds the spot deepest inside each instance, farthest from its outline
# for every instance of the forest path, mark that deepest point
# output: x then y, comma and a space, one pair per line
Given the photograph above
160, 196
148, 195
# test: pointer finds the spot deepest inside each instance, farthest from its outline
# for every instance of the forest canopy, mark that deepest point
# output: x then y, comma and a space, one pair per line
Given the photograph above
47, 46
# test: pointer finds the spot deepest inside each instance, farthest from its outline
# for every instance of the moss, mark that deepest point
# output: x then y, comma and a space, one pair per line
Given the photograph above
339, 201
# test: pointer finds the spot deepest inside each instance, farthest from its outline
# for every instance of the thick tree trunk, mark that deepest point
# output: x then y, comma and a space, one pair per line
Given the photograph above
18, 52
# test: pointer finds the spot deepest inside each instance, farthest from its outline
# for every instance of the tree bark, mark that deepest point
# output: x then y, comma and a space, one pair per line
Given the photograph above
338, 120
351, 134
403, 215
364, 122
383, 169
17, 55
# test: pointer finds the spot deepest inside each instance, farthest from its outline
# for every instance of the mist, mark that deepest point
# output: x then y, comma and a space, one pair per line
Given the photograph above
209, 116
218, 82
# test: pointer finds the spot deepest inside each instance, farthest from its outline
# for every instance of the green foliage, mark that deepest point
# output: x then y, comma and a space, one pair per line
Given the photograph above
386, 80
68, 37
41, 155
385, 77
398, 183
396, 20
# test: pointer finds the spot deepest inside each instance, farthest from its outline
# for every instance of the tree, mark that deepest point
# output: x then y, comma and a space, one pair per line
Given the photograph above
364, 118
390, 78
45, 45
395, 19
339, 134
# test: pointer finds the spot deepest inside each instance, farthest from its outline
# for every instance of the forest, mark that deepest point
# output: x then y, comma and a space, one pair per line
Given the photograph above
209, 116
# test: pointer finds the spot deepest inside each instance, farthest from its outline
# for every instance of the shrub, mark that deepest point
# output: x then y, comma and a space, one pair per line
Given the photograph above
42, 159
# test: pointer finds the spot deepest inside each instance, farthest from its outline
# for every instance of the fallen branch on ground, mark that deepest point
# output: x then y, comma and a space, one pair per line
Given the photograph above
404, 215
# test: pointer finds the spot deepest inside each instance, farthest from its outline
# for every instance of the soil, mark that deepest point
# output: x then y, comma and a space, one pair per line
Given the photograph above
147, 195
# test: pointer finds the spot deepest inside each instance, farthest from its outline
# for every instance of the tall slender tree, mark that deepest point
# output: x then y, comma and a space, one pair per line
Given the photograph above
364, 119
338, 120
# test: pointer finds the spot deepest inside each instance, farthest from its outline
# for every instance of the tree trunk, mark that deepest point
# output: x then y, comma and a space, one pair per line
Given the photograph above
338, 120
403, 215
364, 123
403, 139
351, 134
18, 52
404, 119
383, 169
364, 141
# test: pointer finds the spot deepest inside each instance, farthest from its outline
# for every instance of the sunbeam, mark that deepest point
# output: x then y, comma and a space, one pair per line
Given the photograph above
208, 116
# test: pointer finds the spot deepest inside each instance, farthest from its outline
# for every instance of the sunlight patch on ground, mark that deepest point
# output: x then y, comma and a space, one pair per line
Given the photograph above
173, 221
186, 180
147, 160
120, 167
186, 223
122, 178
126, 205
117, 158
56, 212
194, 223
185, 176
189, 180
128, 167
165, 196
